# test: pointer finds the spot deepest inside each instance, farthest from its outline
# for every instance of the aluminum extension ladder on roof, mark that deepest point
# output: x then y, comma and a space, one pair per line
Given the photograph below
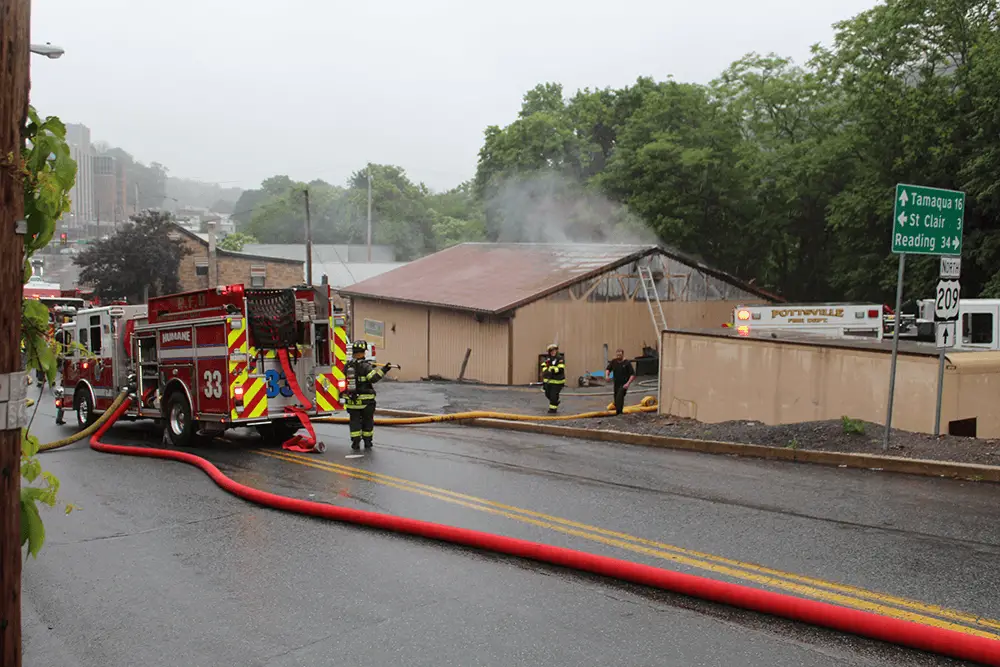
652, 294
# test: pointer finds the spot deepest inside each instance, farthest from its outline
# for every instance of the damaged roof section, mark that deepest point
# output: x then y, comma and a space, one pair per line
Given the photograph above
497, 278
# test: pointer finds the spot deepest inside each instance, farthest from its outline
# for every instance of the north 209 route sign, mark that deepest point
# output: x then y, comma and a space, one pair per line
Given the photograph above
928, 221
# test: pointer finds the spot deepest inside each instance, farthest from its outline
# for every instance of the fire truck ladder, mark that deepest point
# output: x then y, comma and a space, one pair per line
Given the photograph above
652, 294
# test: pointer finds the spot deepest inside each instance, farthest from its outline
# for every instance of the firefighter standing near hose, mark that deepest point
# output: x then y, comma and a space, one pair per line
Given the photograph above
360, 398
62, 342
554, 376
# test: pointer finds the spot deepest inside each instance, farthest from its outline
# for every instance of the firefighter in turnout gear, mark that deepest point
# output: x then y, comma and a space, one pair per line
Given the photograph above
360, 395
554, 376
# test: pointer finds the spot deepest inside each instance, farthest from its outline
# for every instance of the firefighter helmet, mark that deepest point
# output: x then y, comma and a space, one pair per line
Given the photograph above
552, 346
359, 346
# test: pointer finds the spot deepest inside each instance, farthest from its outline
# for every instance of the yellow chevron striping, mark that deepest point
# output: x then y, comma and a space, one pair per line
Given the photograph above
323, 381
236, 379
256, 387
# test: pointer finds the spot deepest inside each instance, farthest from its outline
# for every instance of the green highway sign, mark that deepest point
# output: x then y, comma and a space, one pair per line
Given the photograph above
928, 221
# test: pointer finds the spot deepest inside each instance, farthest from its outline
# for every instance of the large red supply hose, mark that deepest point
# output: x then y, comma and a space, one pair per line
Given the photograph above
942, 641
295, 442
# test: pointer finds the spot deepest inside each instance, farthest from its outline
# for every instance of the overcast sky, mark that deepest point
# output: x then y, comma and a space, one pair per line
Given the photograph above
234, 91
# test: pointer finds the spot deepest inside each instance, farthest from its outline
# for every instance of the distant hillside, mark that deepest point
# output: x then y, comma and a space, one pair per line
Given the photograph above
201, 195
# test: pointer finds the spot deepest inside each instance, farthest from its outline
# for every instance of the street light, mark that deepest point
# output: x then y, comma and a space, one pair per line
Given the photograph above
47, 50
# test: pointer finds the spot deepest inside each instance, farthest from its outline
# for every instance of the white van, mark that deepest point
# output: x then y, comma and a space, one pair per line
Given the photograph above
977, 325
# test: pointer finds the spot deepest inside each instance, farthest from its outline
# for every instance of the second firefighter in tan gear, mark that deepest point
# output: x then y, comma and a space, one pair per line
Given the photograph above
553, 376
360, 394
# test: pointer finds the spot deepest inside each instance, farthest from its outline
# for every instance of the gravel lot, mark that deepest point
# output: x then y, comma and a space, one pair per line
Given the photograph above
833, 436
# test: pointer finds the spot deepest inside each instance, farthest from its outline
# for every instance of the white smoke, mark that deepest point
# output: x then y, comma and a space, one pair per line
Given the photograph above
545, 207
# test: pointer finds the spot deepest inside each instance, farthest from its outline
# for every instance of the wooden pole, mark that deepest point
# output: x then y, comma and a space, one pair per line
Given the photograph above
14, 83
309, 244
465, 362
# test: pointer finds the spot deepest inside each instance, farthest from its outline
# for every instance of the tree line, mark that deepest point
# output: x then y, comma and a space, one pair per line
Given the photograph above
405, 214
779, 173
785, 174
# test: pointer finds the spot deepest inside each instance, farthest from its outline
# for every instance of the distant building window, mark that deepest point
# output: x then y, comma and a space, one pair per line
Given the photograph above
201, 267
258, 275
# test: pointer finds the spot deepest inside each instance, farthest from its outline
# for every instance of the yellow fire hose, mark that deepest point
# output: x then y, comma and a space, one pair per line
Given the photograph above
648, 404
90, 430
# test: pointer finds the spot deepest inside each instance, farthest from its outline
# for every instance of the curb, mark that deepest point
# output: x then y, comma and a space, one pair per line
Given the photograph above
923, 467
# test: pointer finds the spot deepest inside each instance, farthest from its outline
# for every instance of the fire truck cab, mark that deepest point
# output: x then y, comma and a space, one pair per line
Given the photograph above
210, 360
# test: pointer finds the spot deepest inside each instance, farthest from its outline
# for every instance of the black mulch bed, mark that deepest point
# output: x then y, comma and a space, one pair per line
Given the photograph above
830, 436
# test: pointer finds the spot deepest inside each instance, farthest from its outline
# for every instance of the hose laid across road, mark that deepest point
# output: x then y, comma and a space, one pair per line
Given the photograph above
90, 430
648, 404
942, 641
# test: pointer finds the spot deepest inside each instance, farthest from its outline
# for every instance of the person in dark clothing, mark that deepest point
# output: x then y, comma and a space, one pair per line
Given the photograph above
621, 370
360, 395
553, 376
63, 338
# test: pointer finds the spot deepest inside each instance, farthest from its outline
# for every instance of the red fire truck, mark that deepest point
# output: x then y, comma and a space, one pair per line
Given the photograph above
210, 360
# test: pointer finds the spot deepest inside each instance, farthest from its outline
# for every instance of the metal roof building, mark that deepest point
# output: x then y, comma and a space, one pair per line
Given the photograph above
501, 304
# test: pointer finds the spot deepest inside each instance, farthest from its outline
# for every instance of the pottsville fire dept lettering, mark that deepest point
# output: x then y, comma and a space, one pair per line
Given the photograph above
808, 312
808, 315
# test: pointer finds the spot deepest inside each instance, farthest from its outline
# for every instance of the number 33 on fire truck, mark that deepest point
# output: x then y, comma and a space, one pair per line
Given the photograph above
213, 384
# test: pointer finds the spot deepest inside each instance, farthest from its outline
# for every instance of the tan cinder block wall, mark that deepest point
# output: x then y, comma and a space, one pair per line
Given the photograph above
972, 390
582, 328
407, 345
426, 341
233, 270
453, 333
716, 379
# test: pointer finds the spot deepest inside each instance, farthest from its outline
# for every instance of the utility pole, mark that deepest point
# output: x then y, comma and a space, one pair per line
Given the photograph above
309, 243
369, 212
15, 28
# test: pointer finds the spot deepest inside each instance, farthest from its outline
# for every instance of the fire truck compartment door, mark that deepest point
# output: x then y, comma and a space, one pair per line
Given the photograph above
279, 392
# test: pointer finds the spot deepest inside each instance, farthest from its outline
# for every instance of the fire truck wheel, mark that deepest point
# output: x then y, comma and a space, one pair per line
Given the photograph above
84, 407
180, 427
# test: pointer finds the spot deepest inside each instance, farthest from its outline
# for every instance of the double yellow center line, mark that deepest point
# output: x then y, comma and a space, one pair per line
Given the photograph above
844, 595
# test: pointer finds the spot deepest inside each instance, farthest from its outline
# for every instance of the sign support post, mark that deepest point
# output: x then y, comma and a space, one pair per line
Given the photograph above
940, 393
945, 314
895, 349
925, 221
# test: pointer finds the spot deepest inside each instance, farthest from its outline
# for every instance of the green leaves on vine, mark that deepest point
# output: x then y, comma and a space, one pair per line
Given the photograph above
37, 348
48, 172
32, 528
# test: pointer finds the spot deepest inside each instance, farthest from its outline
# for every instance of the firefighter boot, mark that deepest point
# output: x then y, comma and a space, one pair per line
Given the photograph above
355, 443
368, 442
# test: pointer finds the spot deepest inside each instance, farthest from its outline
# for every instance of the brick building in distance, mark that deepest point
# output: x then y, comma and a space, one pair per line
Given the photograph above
206, 265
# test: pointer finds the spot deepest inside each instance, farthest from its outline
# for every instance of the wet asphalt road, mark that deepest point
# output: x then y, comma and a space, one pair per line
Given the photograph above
161, 567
